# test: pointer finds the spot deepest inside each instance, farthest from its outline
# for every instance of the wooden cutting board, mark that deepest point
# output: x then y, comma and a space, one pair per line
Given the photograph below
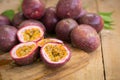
38, 70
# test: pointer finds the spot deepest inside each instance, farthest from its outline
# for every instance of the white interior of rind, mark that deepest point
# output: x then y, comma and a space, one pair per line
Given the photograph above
13, 52
22, 30
47, 57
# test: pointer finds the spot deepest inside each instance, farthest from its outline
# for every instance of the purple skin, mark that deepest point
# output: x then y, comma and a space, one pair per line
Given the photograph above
54, 65
64, 28
8, 37
68, 8
33, 9
50, 19
93, 20
4, 20
18, 18
82, 13
31, 22
85, 37
27, 59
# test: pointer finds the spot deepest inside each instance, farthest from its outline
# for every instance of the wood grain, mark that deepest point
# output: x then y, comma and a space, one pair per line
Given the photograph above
111, 40
38, 70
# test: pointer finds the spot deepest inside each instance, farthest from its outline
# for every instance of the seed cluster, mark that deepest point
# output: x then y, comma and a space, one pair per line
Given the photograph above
24, 50
31, 34
56, 52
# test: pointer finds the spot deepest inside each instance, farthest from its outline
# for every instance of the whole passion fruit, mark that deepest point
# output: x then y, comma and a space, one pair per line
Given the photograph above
4, 20
18, 19
92, 19
24, 53
55, 54
68, 8
8, 37
64, 28
30, 23
50, 19
33, 9
42, 42
30, 33
85, 37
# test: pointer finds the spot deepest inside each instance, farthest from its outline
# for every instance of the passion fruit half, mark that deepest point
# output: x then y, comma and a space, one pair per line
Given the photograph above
24, 53
42, 42
55, 54
30, 33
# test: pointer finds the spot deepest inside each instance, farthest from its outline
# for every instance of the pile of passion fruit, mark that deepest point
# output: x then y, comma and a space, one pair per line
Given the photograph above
25, 36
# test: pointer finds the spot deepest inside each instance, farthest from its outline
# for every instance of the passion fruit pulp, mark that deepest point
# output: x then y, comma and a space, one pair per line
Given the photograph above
42, 42
24, 53
55, 54
30, 33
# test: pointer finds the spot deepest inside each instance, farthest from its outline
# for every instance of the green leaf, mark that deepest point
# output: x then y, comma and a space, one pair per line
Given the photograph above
108, 26
9, 13
106, 18
106, 13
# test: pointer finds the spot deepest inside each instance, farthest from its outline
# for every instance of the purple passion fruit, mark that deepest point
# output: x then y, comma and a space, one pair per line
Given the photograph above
30, 33
33, 9
64, 28
30, 23
4, 20
8, 37
93, 20
24, 53
68, 8
50, 19
55, 54
82, 13
42, 42
85, 37
18, 18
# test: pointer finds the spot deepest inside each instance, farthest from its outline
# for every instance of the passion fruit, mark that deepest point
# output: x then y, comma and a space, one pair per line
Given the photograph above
92, 19
55, 54
24, 53
42, 42
33, 9
68, 8
85, 37
30, 23
18, 19
64, 28
50, 19
4, 20
8, 37
30, 33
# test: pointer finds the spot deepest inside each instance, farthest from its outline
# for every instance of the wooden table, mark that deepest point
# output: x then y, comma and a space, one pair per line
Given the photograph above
105, 61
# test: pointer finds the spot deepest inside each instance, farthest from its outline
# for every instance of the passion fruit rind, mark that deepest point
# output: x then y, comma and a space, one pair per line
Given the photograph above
31, 22
26, 59
42, 42
30, 33
55, 64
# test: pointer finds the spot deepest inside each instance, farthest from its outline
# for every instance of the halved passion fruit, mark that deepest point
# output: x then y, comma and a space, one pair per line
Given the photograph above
24, 53
42, 42
55, 54
30, 33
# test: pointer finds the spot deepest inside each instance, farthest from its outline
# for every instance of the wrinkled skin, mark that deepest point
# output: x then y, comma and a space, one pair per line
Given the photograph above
64, 28
18, 18
8, 37
33, 9
93, 20
4, 20
85, 37
68, 8
50, 19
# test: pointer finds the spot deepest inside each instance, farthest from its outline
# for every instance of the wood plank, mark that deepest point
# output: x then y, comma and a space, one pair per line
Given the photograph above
111, 40
94, 70
39, 71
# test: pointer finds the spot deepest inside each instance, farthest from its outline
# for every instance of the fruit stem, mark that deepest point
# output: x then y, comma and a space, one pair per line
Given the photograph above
97, 6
